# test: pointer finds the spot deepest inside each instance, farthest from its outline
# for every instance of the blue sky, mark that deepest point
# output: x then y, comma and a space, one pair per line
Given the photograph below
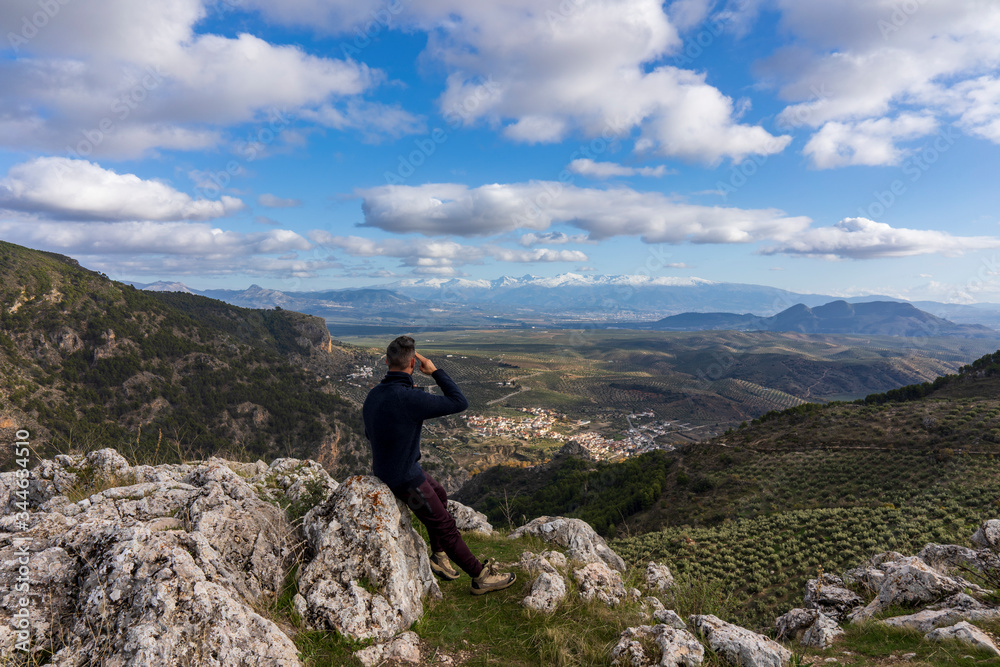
834, 146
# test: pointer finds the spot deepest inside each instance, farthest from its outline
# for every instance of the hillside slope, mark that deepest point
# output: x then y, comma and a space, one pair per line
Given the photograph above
759, 510
86, 362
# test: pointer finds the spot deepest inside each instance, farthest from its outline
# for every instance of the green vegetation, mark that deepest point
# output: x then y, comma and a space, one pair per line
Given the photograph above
94, 363
601, 494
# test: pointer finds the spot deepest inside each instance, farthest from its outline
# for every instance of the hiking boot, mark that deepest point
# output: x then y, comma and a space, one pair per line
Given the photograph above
442, 567
491, 580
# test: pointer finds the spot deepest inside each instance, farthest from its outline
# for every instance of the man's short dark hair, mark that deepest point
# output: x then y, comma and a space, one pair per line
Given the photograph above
399, 352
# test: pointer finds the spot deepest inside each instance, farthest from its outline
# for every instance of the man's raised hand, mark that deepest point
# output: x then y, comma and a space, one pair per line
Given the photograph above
426, 365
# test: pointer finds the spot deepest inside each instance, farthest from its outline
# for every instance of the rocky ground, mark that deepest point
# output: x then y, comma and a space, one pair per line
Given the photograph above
102, 562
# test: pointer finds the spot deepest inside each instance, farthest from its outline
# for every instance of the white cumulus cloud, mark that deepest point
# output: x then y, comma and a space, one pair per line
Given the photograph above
867, 142
857, 62
861, 238
65, 189
123, 78
449, 208
587, 167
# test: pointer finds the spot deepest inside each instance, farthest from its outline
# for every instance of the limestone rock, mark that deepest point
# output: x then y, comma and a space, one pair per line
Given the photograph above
959, 607
300, 481
967, 634
371, 570
822, 632
946, 558
652, 605
669, 617
576, 535
547, 591
794, 624
868, 577
160, 571
403, 648
828, 595
677, 647
739, 646
988, 535
658, 577
467, 518
600, 581
910, 581
535, 563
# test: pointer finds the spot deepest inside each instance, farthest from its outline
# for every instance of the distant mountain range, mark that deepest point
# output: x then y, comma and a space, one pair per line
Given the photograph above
566, 300
882, 318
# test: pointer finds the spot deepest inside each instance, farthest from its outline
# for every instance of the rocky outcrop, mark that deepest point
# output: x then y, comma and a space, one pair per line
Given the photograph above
576, 536
828, 595
822, 632
293, 480
965, 633
988, 535
597, 580
669, 617
909, 582
404, 648
370, 572
547, 591
951, 558
960, 607
658, 577
677, 647
147, 572
793, 625
739, 646
469, 519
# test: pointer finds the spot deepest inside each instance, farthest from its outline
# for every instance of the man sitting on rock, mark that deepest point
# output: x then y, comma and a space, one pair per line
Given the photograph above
394, 414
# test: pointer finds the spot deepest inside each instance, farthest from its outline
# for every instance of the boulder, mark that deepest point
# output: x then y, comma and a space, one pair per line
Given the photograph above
947, 558
821, 633
868, 577
579, 539
295, 480
677, 647
967, 634
658, 577
402, 648
828, 595
547, 591
669, 617
469, 519
959, 607
988, 535
151, 572
371, 570
910, 581
792, 625
739, 646
600, 581
534, 563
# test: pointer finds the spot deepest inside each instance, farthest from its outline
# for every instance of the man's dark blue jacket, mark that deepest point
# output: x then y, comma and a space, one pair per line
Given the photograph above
394, 412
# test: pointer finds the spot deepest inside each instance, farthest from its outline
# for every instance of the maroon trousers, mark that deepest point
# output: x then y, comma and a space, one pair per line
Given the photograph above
429, 503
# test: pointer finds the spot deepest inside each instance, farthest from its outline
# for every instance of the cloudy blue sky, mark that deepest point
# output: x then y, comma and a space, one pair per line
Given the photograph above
835, 146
